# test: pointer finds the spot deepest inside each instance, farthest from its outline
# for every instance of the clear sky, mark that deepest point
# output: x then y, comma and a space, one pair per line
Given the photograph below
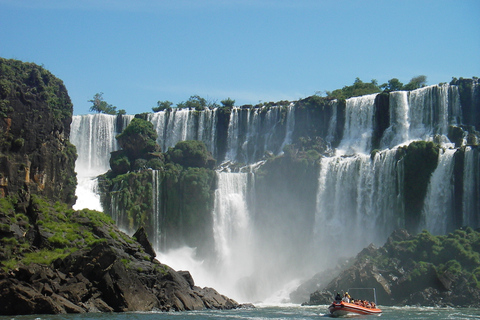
139, 52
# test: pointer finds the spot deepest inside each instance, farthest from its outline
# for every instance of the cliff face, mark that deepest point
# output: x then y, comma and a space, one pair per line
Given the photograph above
54, 259
413, 270
57, 260
35, 154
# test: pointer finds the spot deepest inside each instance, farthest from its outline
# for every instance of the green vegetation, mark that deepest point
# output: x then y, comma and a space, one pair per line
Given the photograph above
395, 84
194, 103
456, 254
99, 105
162, 105
61, 231
29, 79
229, 103
191, 153
138, 139
360, 88
184, 173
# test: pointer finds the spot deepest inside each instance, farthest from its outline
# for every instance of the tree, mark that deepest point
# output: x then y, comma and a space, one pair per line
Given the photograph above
162, 105
416, 82
101, 106
191, 153
393, 85
358, 88
194, 102
138, 139
229, 103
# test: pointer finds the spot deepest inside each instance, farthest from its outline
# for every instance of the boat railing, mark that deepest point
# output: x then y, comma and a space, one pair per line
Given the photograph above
374, 292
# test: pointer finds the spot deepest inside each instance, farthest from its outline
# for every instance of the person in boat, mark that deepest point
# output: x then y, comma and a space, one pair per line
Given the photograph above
338, 297
346, 297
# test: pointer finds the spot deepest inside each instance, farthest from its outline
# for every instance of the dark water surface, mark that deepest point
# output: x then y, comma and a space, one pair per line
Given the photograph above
282, 312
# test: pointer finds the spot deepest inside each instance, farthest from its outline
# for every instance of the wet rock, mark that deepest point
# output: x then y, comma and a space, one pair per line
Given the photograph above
142, 238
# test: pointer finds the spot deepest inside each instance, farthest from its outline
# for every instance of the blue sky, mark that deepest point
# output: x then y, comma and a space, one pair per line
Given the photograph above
139, 52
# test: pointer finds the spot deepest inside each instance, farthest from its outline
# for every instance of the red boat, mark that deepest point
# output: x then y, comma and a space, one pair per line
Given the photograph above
341, 308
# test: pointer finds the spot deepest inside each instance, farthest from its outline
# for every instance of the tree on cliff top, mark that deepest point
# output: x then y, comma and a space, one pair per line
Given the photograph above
359, 88
101, 106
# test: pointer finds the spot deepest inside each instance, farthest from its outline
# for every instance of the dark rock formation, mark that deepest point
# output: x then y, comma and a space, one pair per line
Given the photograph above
54, 259
142, 238
35, 155
413, 270
116, 274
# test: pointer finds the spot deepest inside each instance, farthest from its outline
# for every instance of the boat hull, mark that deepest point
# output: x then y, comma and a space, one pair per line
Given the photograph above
344, 308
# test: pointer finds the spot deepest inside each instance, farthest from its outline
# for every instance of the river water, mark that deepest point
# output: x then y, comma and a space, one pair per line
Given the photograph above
282, 312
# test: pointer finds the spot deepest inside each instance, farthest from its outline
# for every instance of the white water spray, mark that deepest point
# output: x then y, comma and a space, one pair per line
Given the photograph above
438, 206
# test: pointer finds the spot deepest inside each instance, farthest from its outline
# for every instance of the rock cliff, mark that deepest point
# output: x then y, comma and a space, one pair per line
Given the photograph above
35, 154
414, 270
101, 269
54, 259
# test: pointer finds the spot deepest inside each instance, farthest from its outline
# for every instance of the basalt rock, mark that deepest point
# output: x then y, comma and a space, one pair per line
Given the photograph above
35, 115
411, 270
112, 276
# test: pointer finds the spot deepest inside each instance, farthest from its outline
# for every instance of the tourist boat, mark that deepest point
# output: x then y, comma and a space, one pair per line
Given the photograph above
341, 308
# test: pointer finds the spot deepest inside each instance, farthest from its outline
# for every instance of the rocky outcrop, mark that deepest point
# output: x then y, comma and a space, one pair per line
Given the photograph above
414, 270
35, 116
113, 273
54, 259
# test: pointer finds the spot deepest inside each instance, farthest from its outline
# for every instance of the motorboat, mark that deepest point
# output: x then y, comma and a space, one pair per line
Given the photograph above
342, 308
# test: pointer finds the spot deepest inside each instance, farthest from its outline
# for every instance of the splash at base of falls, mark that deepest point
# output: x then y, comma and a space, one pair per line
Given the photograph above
87, 196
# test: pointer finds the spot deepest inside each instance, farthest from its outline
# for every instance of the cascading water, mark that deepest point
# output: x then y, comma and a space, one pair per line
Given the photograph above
357, 134
357, 195
156, 210
252, 132
183, 124
431, 111
94, 137
232, 230
471, 188
438, 208
290, 127
359, 198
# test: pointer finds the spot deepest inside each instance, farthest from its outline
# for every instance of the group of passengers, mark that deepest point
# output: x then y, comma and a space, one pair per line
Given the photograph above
358, 302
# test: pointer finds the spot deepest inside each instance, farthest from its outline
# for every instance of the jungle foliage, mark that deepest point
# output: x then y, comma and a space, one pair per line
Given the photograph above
183, 175
59, 230
360, 88
32, 83
455, 254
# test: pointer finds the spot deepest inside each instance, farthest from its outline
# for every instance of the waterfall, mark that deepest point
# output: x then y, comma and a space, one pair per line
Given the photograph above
471, 188
94, 137
358, 201
332, 123
253, 132
438, 208
422, 114
357, 133
232, 230
157, 210
177, 125
398, 132
290, 126
430, 113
